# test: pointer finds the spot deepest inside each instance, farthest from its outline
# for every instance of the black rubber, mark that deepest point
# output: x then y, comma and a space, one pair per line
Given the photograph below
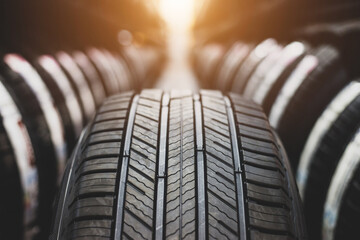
273, 92
249, 65
341, 208
120, 71
116, 71
96, 57
324, 162
43, 148
60, 101
12, 207
232, 61
270, 97
347, 225
81, 88
309, 100
260, 72
178, 165
92, 76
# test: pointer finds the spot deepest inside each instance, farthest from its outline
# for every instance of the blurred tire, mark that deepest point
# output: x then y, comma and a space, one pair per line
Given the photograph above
79, 84
119, 72
45, 129
102, 65
325, 145
92, 76
250, 64
268, 86
341, 214
18, 174
64, 96
207, 59
230, 64
261, 71
303, 97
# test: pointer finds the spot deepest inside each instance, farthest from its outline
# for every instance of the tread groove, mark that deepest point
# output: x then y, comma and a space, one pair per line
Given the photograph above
161, 167
200, 159
124, 169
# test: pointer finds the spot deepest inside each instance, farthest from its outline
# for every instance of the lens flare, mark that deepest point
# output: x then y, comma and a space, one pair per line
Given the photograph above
178, 14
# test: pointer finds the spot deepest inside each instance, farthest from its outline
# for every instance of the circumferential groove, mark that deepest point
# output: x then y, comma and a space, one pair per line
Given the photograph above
162, 156
200, 166
124, 168
237, 170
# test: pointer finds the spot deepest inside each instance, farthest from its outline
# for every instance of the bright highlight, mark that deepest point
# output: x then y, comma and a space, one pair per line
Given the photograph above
178, 14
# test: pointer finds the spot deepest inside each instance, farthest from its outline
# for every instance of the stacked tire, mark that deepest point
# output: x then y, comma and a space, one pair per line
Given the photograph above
287, 80
178, 165
307, 92
341, 210
328, 163
46, 100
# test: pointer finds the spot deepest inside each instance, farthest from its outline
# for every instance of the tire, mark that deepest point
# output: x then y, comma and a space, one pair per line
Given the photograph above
45, 129
269, 86
124, 63
134, 76
232, 61
79, 84
18, 175
261, 71
92, 76
12, 216
206, 61
63, 95
158, 165
304, 96
104, 69
341, 214
250, 64
325, 145
208, 79
135, 57
119, 72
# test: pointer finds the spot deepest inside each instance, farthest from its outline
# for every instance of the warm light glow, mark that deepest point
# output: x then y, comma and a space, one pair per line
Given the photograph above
178, 14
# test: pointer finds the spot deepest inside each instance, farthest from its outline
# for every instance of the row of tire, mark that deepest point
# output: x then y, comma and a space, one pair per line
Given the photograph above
45, 101
314, 105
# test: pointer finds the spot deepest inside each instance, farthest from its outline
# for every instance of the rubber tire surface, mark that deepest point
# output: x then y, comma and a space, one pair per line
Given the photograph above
102, 71
212, 160
44, 149
309, 100
91, 75
60, 102
324, 163
250, 64
230, 64
12, 206
348, 225
273, 91
82, 90
341, 214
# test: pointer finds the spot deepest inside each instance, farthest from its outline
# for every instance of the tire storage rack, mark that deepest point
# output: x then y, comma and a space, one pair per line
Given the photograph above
305, 75
59, 60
